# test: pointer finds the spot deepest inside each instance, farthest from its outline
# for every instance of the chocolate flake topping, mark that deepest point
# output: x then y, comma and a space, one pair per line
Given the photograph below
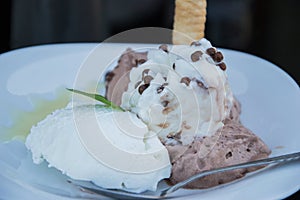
200, 84
222, 66
165, 103
218, 57
196, 56
174, 66
228, 155
146, 71
167, 110
176, 136
160, 89
142, 88
211, 51
141, 61
148, 79
164, 125
109, 76
195, 43
164, 47
185, 80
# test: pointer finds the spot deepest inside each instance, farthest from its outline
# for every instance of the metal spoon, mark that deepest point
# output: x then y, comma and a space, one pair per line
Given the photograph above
119, 194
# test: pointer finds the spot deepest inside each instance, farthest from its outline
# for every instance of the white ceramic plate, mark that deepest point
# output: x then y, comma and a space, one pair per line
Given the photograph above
270, 107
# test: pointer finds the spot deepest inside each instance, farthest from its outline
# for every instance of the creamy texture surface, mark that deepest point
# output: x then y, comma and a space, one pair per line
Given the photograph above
178, 97
222, 142
230, 145
56, 140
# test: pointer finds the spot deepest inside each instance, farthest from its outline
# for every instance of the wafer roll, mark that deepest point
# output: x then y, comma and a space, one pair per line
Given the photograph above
189, 21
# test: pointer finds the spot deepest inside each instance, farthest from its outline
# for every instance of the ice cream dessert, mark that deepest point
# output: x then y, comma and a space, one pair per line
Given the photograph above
177, 117
182, 94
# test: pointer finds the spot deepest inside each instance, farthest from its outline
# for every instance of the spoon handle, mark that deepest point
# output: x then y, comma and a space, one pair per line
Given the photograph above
256, 163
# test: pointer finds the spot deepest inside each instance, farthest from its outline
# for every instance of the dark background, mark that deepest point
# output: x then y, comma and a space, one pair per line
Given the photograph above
266, 28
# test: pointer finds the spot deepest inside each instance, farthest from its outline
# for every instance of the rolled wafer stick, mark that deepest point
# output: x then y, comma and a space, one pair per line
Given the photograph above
189, 21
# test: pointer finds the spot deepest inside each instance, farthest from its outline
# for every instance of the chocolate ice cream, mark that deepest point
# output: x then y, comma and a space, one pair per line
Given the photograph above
118, 79
230, 145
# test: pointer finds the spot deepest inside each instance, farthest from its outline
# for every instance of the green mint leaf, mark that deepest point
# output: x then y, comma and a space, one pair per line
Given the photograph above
98, 97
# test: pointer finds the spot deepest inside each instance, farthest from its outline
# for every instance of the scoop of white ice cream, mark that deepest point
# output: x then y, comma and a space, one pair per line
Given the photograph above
180, 94
126, 156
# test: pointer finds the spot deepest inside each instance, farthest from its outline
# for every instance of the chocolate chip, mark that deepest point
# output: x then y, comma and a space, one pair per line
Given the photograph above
178, 135
142, 88
195, 43
146, 71
109, 76
201, 84
165, 103
218, 57
228, 155
163, 125
148, 79
160, 89
141, 61
211, 51
164, 47
222, 66
185, 80
174, 66
196, 56
167, 110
